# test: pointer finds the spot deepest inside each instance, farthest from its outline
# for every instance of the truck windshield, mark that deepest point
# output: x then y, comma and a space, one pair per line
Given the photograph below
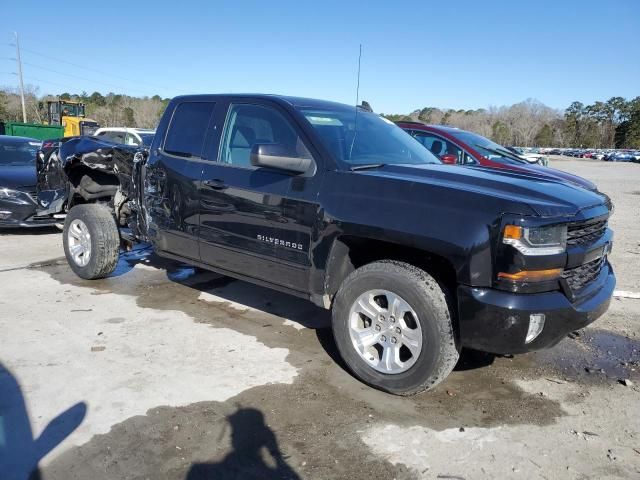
374, 140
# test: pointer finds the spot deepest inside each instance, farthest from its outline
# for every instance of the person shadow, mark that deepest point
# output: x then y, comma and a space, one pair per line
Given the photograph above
255, 453
20, 452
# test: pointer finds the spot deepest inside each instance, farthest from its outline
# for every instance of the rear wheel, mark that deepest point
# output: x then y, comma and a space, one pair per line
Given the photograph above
91, 241
392, 326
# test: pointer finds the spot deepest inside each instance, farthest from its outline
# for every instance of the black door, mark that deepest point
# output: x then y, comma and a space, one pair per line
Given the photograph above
247, 221
172, 178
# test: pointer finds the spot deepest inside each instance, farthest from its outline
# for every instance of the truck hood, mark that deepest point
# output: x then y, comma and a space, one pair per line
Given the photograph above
555, 174
545, 196
13, 176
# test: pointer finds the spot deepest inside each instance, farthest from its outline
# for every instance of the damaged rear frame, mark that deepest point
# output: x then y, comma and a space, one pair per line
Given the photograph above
85, 169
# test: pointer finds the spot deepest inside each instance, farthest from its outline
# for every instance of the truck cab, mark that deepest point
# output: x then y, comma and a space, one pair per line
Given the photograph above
71, 116
337, 205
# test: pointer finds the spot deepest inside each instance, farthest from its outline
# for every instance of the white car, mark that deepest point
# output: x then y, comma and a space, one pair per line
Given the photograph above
530, 157
141, 137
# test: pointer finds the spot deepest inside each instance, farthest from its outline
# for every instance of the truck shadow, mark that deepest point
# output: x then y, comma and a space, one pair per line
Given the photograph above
242, 296
20, 451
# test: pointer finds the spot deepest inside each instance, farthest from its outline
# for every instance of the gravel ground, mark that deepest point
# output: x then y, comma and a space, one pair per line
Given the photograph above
165, 373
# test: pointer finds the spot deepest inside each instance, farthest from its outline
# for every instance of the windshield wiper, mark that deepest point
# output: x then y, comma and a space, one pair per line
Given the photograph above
503, 153
367, 166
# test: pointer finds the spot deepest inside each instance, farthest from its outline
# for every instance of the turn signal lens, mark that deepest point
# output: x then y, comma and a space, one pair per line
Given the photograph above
512, 232
532, 275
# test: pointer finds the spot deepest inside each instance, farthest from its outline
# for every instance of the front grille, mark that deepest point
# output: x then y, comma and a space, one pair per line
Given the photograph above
577, 278
585, 233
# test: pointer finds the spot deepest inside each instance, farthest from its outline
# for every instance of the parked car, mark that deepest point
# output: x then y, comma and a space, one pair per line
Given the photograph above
621, 157
335, 204
18, 183
140, 137
455, 146
530, 156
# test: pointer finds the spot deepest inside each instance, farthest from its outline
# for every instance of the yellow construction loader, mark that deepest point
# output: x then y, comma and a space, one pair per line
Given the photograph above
70, 115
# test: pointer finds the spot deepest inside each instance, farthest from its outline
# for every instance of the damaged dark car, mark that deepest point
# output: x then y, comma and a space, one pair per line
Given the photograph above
18, 200
82, 170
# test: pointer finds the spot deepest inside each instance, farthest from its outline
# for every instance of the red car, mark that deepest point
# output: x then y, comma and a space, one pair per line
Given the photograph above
455, 146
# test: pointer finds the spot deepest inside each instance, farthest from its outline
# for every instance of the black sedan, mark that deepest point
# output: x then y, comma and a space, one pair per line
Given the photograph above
18, 183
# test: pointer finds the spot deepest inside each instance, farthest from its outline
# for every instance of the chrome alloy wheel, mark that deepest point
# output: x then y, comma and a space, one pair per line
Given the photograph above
79, 243
385, 331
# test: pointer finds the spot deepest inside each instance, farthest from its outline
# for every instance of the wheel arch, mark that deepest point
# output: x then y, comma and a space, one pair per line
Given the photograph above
349, 252
88, 185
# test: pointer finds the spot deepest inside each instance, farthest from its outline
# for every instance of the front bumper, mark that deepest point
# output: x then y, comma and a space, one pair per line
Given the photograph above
19, 215
496, 321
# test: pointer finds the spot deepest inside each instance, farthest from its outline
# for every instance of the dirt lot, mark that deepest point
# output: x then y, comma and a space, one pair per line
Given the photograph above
160, 372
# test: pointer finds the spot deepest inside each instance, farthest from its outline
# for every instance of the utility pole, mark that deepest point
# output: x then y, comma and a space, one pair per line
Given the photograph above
24, 110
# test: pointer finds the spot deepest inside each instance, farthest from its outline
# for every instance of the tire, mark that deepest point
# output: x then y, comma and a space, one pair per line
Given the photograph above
438, 353
91, 225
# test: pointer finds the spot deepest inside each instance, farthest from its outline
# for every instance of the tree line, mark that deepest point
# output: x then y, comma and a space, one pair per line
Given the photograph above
110, 110
614, 123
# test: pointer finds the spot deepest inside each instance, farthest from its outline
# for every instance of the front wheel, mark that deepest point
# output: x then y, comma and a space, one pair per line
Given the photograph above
392, 326
91, 241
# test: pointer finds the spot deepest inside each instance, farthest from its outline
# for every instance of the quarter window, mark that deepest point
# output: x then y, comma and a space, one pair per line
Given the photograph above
188, 129
248, 125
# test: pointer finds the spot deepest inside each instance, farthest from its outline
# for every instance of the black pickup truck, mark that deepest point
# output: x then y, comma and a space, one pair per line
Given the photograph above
335, 204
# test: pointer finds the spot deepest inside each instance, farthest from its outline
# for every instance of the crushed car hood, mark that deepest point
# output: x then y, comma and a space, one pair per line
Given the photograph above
541, 195
56, 158
98, 154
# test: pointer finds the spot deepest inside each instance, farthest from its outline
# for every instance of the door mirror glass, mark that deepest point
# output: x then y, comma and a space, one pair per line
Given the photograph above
449, 158
280, 157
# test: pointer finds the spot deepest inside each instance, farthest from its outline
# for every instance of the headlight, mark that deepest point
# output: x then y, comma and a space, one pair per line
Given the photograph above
536, 240
12, 195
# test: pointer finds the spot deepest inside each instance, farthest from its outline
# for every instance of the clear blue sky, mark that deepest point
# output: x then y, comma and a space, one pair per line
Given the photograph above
457, 54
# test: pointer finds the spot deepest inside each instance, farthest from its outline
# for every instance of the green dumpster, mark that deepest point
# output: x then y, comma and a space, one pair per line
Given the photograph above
31, 130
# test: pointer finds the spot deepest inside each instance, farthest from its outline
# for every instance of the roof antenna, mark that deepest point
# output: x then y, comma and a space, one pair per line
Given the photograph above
355, 123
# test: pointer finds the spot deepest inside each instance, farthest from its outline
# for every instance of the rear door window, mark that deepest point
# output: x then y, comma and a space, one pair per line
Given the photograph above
188, 128
440, 146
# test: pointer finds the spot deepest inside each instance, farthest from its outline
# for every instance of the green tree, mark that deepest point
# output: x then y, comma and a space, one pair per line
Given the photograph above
632, 133
573, 122
500, 132
425, 114
97, 99
446, 118
129, 118
544, 137
3, 106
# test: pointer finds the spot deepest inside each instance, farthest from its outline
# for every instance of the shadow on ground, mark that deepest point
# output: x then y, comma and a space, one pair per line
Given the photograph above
255, 453
20, 451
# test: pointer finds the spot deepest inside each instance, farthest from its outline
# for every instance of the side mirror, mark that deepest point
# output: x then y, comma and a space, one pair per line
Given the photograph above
449, 158
280, 157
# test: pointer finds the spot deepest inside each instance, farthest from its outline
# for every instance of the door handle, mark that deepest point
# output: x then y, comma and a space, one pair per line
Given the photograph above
216, 184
